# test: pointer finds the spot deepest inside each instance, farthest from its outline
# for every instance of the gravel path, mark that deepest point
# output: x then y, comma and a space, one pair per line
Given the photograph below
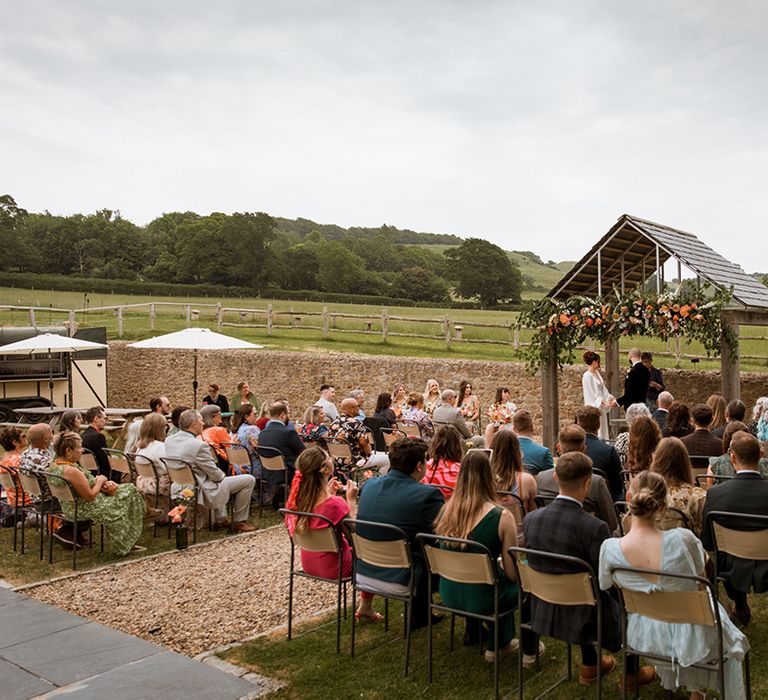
195, 600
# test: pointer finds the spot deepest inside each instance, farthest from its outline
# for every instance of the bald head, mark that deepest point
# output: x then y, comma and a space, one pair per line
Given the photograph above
40, 436
635, 355
349, 407
665, 400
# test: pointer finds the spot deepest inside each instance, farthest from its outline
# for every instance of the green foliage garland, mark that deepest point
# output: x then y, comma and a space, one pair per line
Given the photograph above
687, 312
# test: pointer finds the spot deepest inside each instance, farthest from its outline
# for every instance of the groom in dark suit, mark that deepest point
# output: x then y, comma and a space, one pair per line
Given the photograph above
636, 381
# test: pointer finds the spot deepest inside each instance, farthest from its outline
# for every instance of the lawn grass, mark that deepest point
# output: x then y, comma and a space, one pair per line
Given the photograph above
310, 668
18, 569
171, 318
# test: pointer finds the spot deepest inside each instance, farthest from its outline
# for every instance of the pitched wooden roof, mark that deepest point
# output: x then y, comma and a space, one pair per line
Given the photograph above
632, 244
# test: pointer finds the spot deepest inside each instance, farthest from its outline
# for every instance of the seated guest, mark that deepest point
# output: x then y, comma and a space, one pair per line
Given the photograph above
399, 499
598, 501
678, 421
507, 463
327, 394
399, 400
94, 440
719, 408
473, 514
314, 427
448, 414
314, 491
445, 453
644, 435
158, 404
215, 488
563, 527
635, 410
536, 457
38, 456
676, 551
14, 442
746, 493
722, 465
415, 413
432, 397
701, 442
603, 455
213, 397
245, 395
384, 409
119, 508
349, 428
175, 415
758, 411
70, 422
672, 462
359, 396
469, 404
735, 410
216, 435
499, 413
660, 414
263, 415
151, 446
277, 434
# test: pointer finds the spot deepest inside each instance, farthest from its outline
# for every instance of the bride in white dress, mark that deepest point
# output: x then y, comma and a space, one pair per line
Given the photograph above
595, 392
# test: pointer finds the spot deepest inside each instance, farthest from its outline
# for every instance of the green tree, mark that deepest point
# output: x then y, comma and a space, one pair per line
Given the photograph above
483, 271
420, 285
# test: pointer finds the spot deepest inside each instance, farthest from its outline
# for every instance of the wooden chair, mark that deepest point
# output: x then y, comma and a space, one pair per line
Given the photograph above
694, 607
578, 588
238, 455
392, 435
120, 462
387, 547
410, 428
465, 562
340, 451
272, 460
9, 480
145, 467
180, 473
88, 461
33, 483
323, 539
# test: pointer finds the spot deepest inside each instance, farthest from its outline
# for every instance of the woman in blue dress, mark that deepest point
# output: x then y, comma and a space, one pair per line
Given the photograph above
676, 551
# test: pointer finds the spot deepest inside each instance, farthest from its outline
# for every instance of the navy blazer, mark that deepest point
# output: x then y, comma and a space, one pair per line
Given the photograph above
605, 457
563, 527
284, 438
745, 493
635, 386
398, 499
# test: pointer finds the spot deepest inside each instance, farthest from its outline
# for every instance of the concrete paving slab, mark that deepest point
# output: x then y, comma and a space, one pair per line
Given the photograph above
24, 620
8, 596
18, 684
165, 675
79, 652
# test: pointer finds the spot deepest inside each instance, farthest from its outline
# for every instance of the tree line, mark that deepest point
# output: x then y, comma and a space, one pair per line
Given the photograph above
258, 251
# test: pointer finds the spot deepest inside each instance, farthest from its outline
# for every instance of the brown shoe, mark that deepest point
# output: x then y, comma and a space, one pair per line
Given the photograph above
243, 526
221, 525
646, 676
589, 673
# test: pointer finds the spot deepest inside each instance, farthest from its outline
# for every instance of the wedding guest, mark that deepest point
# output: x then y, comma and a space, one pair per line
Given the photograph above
719, 411
245, 395
723, 465
314, 428
214, 397
432, 397
247, 434
151, 446
678, 421
536, 457
175, 419
216, 435
735, 410
469, 405
644, 436
507, 463
70, 422
655, 380
671, 460
636, 410
384, 409
499, 413
399, 400
445, 453
415, 413
327, 395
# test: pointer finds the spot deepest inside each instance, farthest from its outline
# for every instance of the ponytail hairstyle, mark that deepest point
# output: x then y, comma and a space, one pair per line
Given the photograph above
309, 483
647, 494
66, 441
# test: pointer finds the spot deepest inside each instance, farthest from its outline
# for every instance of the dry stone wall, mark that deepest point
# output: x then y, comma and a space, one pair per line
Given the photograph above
135, 375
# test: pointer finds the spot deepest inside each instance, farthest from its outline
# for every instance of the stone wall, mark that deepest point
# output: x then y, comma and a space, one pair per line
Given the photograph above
135, 375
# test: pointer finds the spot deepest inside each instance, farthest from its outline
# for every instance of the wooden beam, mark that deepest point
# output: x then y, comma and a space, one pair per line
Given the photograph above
613, 380
730, 374
748, 318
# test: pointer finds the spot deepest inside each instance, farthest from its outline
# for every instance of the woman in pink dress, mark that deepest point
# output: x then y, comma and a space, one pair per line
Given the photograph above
314, 490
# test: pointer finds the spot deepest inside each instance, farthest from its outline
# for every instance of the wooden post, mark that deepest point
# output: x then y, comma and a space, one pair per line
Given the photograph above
677, 352
730, 372
384, 330
613, 377
550, 401
119, 321
516, 338
270, 319
72, 323
219, 316
447, 331
151, 317
188, 314
326, 328
32, 318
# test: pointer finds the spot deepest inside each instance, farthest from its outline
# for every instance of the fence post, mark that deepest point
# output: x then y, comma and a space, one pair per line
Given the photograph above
219, 316
72, 323
270, 319
151, 317
384, 330
32, 318
119, 321
447, 331
516, 338
677, 351
326, 331
188, 314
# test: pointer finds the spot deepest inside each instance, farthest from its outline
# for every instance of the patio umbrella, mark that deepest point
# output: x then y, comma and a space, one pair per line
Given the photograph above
195, 339
49, 343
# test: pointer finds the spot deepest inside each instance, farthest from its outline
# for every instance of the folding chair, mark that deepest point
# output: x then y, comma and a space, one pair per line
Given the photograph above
672, 518
323, 539
145, 467
466, 562
34, 484
392, 435
487, 450
272, 460
578, 588
181, 474
702, 480
387, 547
88, 461
694, 607
9, 480
238, 455
699, 464
543, 501
410, 428
340, 451
515, 506
63, 490
120, 462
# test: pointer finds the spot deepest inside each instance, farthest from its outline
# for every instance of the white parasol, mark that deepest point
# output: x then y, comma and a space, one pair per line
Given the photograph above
195, 339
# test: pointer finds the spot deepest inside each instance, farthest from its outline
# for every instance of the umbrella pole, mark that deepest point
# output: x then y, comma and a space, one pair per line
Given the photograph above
194, 381
50, 375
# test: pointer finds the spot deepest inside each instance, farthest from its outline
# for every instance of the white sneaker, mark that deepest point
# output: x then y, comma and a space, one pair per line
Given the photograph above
512, 648
529, 660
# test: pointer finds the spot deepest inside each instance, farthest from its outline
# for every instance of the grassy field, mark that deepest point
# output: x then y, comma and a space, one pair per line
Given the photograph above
169, 318
310, 668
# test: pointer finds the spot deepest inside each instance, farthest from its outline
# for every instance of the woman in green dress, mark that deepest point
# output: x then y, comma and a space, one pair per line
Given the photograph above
473, 514
119, 508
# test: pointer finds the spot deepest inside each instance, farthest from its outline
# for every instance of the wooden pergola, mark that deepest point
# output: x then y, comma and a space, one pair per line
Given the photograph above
626, 257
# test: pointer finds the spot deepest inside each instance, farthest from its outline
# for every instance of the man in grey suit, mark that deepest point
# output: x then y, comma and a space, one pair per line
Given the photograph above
448, 414
215, 488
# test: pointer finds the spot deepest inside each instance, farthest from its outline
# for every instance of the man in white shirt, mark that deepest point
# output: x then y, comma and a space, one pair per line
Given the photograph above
327, 394
159, 404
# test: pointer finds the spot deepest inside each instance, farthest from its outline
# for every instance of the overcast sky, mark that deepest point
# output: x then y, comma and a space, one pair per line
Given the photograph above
531, 124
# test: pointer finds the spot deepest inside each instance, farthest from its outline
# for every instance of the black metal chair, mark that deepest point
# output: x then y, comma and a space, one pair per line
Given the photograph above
9, 481
272, 460
120, 463
702, 480
43, 504
180, 473
145, 467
